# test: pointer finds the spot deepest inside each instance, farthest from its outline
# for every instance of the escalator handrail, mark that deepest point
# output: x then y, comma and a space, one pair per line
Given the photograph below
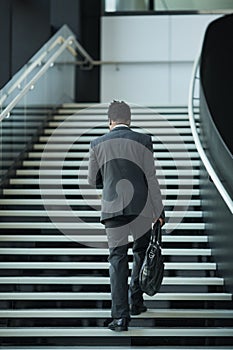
217, 182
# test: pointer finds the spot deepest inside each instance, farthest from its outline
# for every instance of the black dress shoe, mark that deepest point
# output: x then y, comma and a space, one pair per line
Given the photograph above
119, 324
137, 309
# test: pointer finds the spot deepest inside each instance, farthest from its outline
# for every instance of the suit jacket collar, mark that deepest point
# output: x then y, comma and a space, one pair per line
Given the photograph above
120, 128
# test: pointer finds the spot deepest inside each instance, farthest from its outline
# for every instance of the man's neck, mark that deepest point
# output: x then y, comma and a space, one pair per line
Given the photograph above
117, 125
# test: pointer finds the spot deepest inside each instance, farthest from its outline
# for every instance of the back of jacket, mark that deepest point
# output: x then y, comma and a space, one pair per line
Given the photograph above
121, 162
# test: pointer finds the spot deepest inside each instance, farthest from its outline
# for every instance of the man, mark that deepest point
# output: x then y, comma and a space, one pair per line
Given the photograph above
122, 164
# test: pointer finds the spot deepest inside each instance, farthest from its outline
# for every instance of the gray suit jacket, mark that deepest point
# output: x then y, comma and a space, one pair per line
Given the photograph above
121, 163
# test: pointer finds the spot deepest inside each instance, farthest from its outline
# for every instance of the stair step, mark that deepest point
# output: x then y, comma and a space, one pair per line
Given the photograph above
17, 124
89, 280
76, 181
103, 108
67, 106
107, 296
174, 148
88, 226
100, 131
81, 138
96, 347
77, 147
6, 140
96, 251
102, 313
187, 163
99, 265
137, 114
104, 332
89, 191
172, 156
52, 172
30, 116
90, 213
158, 122
19, 132
101, 117
49, 158
93, 238
138, 119
145, 112
96, 202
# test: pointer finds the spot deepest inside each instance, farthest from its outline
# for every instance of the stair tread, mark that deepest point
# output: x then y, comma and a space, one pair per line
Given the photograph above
97, 251
175, 148
175, 172
160, 150
151, 313
100, 131
103, 347
107, 296
137, 115
75, 181
188, 162
161, 138
87, 191
89, 226
160, 121
96, 202
89, 280
179, 149
88, 213
85, 114
99, 265
67, 106
100, 332
95, 238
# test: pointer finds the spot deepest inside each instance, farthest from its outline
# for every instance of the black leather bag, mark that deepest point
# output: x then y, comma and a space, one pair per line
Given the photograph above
152, 270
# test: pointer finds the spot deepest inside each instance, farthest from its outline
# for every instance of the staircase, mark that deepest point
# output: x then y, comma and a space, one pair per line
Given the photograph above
53, 256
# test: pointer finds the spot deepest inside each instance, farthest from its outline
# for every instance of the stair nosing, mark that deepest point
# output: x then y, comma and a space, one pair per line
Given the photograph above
99, 332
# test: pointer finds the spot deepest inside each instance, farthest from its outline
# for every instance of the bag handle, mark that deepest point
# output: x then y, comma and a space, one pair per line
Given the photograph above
156, 233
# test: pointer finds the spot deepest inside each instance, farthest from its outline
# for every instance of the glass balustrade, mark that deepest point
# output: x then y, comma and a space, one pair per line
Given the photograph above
31, 96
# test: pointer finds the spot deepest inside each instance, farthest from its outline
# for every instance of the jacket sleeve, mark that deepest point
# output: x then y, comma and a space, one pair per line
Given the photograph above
94, 172
162, 215
154, 192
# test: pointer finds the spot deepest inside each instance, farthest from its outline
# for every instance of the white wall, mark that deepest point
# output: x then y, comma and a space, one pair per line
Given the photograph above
161, 5
160, 51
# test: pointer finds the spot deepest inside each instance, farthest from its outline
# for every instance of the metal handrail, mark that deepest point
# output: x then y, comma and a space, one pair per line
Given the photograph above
27, 87
65, 44
221, 189
34, 64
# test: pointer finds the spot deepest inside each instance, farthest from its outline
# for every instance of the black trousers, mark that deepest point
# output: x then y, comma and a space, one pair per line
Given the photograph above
118, 230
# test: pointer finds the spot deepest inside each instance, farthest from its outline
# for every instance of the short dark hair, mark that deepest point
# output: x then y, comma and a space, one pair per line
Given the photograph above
119, 111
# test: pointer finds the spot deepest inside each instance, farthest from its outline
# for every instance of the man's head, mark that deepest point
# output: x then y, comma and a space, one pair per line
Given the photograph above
119, 113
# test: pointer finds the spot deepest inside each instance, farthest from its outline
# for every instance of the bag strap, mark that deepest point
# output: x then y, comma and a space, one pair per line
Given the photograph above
156, 233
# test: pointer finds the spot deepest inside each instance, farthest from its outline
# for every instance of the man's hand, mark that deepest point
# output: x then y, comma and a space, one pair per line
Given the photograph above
161, 220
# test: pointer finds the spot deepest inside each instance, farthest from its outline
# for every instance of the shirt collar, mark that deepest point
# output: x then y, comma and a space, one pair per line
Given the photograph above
120, 125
